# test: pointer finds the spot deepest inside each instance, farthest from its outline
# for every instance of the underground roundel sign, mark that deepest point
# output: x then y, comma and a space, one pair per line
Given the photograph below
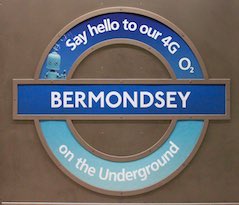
53, 99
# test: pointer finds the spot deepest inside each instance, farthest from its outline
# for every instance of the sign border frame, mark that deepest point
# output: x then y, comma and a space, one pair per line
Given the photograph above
85, 81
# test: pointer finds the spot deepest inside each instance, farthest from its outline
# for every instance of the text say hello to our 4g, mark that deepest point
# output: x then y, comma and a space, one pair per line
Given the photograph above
108, 25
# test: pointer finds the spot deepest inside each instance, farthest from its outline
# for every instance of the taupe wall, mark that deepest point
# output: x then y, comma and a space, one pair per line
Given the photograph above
26, 171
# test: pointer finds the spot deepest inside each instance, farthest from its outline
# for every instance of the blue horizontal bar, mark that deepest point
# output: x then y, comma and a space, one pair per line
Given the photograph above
112, 99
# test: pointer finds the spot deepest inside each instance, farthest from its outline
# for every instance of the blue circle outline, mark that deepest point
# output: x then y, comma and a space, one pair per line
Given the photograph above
184, 124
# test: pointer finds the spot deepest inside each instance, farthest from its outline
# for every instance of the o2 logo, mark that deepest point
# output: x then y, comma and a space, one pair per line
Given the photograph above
189, 99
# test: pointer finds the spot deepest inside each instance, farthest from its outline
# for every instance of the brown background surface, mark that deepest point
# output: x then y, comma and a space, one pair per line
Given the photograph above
26, 171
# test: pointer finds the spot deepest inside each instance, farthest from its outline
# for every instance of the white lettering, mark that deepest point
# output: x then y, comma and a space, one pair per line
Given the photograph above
160, 99
99, 97
171, 99
67, 99
184, 98
79, 99
133, 101
56, 100
114, 99
143, 104
117, 103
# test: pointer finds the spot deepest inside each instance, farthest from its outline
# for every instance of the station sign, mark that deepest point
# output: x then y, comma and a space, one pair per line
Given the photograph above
53, 99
